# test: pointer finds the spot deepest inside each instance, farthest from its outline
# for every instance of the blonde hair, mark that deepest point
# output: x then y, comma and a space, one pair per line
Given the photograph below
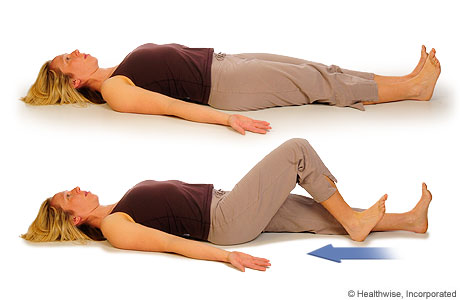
54, 224
54, 87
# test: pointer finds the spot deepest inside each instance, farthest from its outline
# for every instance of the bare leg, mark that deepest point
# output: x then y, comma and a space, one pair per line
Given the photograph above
418, 68
303, 214
420, 87
357, 224
415, 220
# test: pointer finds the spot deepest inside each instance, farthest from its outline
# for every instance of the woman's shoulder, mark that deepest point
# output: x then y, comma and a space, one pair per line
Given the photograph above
112, 85
116, 229
115, 81
114, 220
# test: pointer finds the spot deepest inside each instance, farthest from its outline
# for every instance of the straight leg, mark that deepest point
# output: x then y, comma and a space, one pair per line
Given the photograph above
247, 82
299, 61
252, 81
303, 214
415, 220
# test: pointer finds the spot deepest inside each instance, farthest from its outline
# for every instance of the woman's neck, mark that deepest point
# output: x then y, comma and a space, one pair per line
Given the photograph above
97, 78
98, 214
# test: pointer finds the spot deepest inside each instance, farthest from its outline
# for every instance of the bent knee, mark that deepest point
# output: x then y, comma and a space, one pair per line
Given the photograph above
297, 142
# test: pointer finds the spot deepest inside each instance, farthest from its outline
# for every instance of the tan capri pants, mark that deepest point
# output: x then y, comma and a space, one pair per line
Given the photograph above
262, 202
252, 81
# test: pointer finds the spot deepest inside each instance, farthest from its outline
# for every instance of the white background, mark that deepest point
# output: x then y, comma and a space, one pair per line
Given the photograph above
390, 148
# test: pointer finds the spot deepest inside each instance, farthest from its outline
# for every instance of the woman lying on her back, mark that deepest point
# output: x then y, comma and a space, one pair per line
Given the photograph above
173, 79
163, 215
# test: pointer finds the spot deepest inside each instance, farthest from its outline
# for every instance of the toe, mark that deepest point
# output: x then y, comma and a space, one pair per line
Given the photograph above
383, 198
424, 188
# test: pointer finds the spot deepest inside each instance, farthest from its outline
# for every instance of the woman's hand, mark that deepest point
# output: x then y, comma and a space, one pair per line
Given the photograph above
241, 124
241, 260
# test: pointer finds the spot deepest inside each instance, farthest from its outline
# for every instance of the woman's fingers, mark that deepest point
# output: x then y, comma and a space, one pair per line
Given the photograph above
262, 260
241, 123
241, 260
257, 267
253, 128
262, 124
259, 264
259, 126
239, 266
257, 130
239, 129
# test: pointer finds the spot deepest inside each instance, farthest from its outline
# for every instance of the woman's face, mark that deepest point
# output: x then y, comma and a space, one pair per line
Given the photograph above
79, 203
79, 66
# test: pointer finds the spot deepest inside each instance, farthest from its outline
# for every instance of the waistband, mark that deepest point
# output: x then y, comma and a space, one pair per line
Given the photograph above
220, 56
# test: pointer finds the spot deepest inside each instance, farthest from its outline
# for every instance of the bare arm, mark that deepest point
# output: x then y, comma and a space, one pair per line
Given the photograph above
122, 232
123, 96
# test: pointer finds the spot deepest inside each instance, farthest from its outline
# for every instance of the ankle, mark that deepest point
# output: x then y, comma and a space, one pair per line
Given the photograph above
353, 224
409, 218
413, 89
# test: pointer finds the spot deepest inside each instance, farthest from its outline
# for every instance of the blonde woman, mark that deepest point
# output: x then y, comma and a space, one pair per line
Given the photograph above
174, 80
173, 216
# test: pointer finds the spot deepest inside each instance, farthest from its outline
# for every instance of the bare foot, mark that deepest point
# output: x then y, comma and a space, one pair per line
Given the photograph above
365, 221
419, 214
422, 85
420, 64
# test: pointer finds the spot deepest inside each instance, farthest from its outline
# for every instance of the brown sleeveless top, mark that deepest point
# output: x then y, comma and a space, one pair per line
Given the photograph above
171, 69
171, 206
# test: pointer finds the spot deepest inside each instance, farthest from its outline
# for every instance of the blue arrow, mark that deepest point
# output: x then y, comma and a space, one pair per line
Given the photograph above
339, 253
